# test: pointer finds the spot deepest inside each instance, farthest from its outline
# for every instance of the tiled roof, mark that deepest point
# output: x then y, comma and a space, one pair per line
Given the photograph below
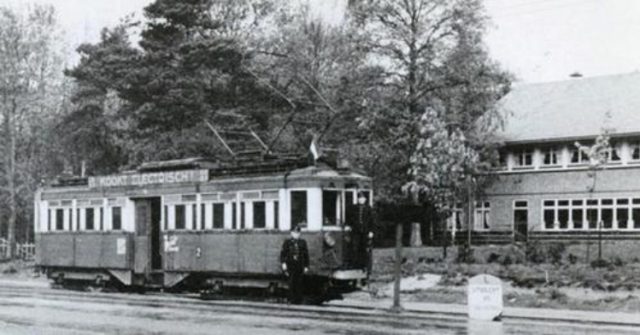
571, 109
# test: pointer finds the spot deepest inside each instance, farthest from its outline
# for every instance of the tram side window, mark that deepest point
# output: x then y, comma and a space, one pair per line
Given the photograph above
179, 217
116, 218
218, 216
59, 219
330, 205
276, 216
89, 218
298, 208
259, 215
234, 216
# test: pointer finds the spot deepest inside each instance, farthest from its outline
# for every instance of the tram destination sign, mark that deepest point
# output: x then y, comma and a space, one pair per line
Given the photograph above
142, 179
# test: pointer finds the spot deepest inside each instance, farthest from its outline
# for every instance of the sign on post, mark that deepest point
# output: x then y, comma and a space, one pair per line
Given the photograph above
484, 297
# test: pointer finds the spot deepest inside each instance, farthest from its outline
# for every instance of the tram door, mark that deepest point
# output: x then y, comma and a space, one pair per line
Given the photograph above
148, 256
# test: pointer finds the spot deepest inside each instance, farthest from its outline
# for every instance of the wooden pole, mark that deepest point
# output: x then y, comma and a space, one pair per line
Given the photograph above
397, 270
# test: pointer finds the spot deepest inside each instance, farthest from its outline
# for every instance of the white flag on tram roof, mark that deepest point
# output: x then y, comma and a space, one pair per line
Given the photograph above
313, 149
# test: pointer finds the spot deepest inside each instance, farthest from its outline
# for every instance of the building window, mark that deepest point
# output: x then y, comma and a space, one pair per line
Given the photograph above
549, 214
612, 155
179, 217
577, 213
259, 215
482, 217
551, 157
524, 158
299, 208
218, 216
634, 148
591, 214
579, 156
116, 218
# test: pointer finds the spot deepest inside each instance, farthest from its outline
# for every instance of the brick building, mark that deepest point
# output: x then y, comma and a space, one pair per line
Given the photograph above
546, 188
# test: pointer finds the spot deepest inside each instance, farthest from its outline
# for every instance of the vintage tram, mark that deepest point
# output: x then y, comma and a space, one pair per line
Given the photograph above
205, 225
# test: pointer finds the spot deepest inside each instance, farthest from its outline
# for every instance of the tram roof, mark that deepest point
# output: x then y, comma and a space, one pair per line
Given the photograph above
292, 166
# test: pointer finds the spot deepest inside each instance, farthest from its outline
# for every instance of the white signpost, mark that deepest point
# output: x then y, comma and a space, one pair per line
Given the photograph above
484, 297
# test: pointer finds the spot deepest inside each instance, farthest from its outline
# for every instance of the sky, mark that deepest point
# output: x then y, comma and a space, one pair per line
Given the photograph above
537, 40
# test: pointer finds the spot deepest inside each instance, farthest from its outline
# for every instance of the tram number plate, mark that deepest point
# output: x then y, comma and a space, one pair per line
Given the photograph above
171, 243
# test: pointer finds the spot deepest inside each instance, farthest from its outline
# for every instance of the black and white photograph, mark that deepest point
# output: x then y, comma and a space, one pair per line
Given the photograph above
312, 167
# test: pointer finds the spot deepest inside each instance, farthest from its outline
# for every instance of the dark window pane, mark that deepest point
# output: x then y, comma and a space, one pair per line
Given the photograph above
329, 208
521, 204
101, 218
179, 217
116, 218
59, 219
202, 215
607, 201
166, 217
622, 215
276, 215
49, 220
89, 218
549, 218
592, 218
242, 216
70, 211
194, 212
577, 218
636, 217
563, 218
636, 201
576, 202
622, 201
607, 218
259, 215
563, 202
218, 216
298, 208
549, 203
234, 216
592, 202
77, 218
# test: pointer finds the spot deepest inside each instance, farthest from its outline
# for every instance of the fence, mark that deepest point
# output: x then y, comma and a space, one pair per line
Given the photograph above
25, 251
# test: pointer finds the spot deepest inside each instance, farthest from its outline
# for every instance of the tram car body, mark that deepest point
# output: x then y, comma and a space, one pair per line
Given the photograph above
202, 225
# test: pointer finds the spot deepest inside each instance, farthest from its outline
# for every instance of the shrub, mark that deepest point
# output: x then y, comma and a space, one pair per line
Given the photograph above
506, 261
465, 254
535, 253
599, 263
493, 257
573, 259
554, 252
617, 261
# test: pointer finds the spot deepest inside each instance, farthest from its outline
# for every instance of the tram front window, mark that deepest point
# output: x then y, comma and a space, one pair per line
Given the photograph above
330, 208
299, 208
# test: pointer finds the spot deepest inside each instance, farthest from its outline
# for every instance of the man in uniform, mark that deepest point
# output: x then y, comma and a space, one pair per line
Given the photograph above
294, 258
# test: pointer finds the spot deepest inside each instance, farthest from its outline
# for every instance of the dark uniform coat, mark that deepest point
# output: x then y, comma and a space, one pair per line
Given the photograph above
295, 254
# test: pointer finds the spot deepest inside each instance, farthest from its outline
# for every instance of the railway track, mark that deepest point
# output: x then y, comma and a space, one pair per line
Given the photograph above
333, 314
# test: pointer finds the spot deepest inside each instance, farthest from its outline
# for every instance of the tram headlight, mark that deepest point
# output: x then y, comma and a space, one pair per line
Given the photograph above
329, 240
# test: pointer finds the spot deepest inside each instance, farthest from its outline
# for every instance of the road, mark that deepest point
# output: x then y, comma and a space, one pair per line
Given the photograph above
28, 309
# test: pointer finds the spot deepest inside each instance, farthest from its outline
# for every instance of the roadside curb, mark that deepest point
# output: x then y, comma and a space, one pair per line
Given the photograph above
509, 313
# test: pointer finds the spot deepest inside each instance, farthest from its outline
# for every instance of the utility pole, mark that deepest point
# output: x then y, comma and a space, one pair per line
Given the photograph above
397, 270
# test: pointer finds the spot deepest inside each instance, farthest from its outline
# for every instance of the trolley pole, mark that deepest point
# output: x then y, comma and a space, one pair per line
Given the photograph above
397, 270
